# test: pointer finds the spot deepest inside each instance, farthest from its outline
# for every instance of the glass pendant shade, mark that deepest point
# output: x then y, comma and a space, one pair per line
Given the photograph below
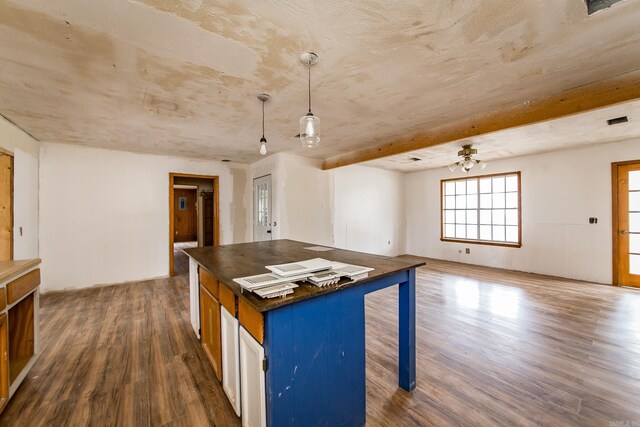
468, 164
310, 131
453, 167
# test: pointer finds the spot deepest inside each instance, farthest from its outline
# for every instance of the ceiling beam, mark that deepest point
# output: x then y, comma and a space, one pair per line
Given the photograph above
622, 88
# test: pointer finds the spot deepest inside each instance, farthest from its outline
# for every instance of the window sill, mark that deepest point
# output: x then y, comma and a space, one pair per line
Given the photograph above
482, 242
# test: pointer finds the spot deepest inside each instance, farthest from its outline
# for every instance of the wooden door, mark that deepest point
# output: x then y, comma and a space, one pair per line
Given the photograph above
6, 207
208, 226
4, 361
186, 215
210, 329
252, 381
262, 208
626, 221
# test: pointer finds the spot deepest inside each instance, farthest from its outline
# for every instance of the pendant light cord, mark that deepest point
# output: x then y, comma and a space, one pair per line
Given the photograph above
309, 65
263, 119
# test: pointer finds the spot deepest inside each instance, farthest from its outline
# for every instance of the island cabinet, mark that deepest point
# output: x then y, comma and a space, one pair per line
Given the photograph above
19, 315
297, 360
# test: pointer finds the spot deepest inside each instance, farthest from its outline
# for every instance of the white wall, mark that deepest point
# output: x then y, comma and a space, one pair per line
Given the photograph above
368, 210
560, 191
105, 215
25, 188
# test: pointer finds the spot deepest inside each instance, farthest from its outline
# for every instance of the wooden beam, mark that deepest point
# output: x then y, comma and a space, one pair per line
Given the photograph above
622, 88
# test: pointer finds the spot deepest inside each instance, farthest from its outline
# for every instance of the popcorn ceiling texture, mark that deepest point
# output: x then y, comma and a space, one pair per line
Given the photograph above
180, 77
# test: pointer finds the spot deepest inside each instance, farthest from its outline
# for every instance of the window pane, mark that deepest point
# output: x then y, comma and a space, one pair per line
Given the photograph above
498, 184
512, 234
449, 188
472, 232
449, 230
449, 217
511, 200
634, 264
634, 180
634, 222
472, 201
498, 216
461, 231
634, 243
461, 217
485, 217
498, 233
450, 202
472, 186
485, 185
461, 202
511, 183
485, 201
485, 232
461, 187
634, 202
472, 217
498, 200
511, 217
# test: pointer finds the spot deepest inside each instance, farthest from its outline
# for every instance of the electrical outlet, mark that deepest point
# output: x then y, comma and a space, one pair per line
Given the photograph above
467, 250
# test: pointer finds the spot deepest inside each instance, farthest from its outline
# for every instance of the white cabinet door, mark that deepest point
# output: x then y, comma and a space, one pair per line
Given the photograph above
252, 386
194, 296
230, 358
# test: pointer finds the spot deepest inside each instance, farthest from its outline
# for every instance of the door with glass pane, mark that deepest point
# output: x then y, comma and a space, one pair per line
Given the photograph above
626, 221
262, 208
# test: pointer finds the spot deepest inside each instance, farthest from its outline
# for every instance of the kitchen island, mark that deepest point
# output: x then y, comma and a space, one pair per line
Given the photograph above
297, 360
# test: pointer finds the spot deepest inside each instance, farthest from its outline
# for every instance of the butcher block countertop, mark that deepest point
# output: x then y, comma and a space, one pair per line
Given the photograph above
11, 269
228, 262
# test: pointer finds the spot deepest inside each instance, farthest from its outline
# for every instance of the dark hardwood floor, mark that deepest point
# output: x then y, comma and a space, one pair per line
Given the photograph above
180, 259
493, 348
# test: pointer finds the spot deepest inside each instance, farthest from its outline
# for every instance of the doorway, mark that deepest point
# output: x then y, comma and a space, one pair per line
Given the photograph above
193, 216
262, 208
625, 180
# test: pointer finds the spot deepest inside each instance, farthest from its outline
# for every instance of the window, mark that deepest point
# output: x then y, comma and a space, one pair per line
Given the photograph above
483, 209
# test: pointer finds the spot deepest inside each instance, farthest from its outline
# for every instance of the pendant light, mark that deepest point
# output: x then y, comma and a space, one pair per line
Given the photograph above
309, 124
263, 141
467, 161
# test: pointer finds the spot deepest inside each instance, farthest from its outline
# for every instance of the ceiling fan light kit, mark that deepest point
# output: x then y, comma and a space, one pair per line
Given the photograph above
467, 161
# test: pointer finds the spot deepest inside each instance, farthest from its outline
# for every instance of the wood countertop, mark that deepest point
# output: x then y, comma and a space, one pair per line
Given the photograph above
228, 262
10, 269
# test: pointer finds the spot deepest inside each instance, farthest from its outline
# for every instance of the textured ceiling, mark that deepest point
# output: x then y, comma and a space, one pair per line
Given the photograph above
180, 77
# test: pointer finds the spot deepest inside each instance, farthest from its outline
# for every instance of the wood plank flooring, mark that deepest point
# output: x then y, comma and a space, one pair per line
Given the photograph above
493, 347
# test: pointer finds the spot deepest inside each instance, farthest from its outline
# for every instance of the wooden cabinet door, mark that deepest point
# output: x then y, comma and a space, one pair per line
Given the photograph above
210, 329
252, 381
230, 358
4, 361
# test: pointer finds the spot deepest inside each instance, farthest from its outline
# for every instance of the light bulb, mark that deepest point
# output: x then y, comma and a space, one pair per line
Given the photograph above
263, 147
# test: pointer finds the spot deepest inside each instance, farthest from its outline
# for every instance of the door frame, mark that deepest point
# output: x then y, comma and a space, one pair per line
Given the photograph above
216, 214
10, 200
614, 217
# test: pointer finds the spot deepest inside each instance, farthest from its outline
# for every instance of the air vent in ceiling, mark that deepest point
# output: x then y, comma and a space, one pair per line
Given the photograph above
617, 120
595, 5
414, 159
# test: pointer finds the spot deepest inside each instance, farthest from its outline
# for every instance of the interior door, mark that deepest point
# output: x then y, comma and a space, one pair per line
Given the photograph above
186, 215
627, 218
262, 208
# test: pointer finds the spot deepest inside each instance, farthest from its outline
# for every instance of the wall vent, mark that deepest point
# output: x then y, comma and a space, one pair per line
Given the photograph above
617, 120
595, 5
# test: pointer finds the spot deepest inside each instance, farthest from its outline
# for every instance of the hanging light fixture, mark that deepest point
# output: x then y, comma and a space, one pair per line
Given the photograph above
263, 141
467, 161
309, 124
